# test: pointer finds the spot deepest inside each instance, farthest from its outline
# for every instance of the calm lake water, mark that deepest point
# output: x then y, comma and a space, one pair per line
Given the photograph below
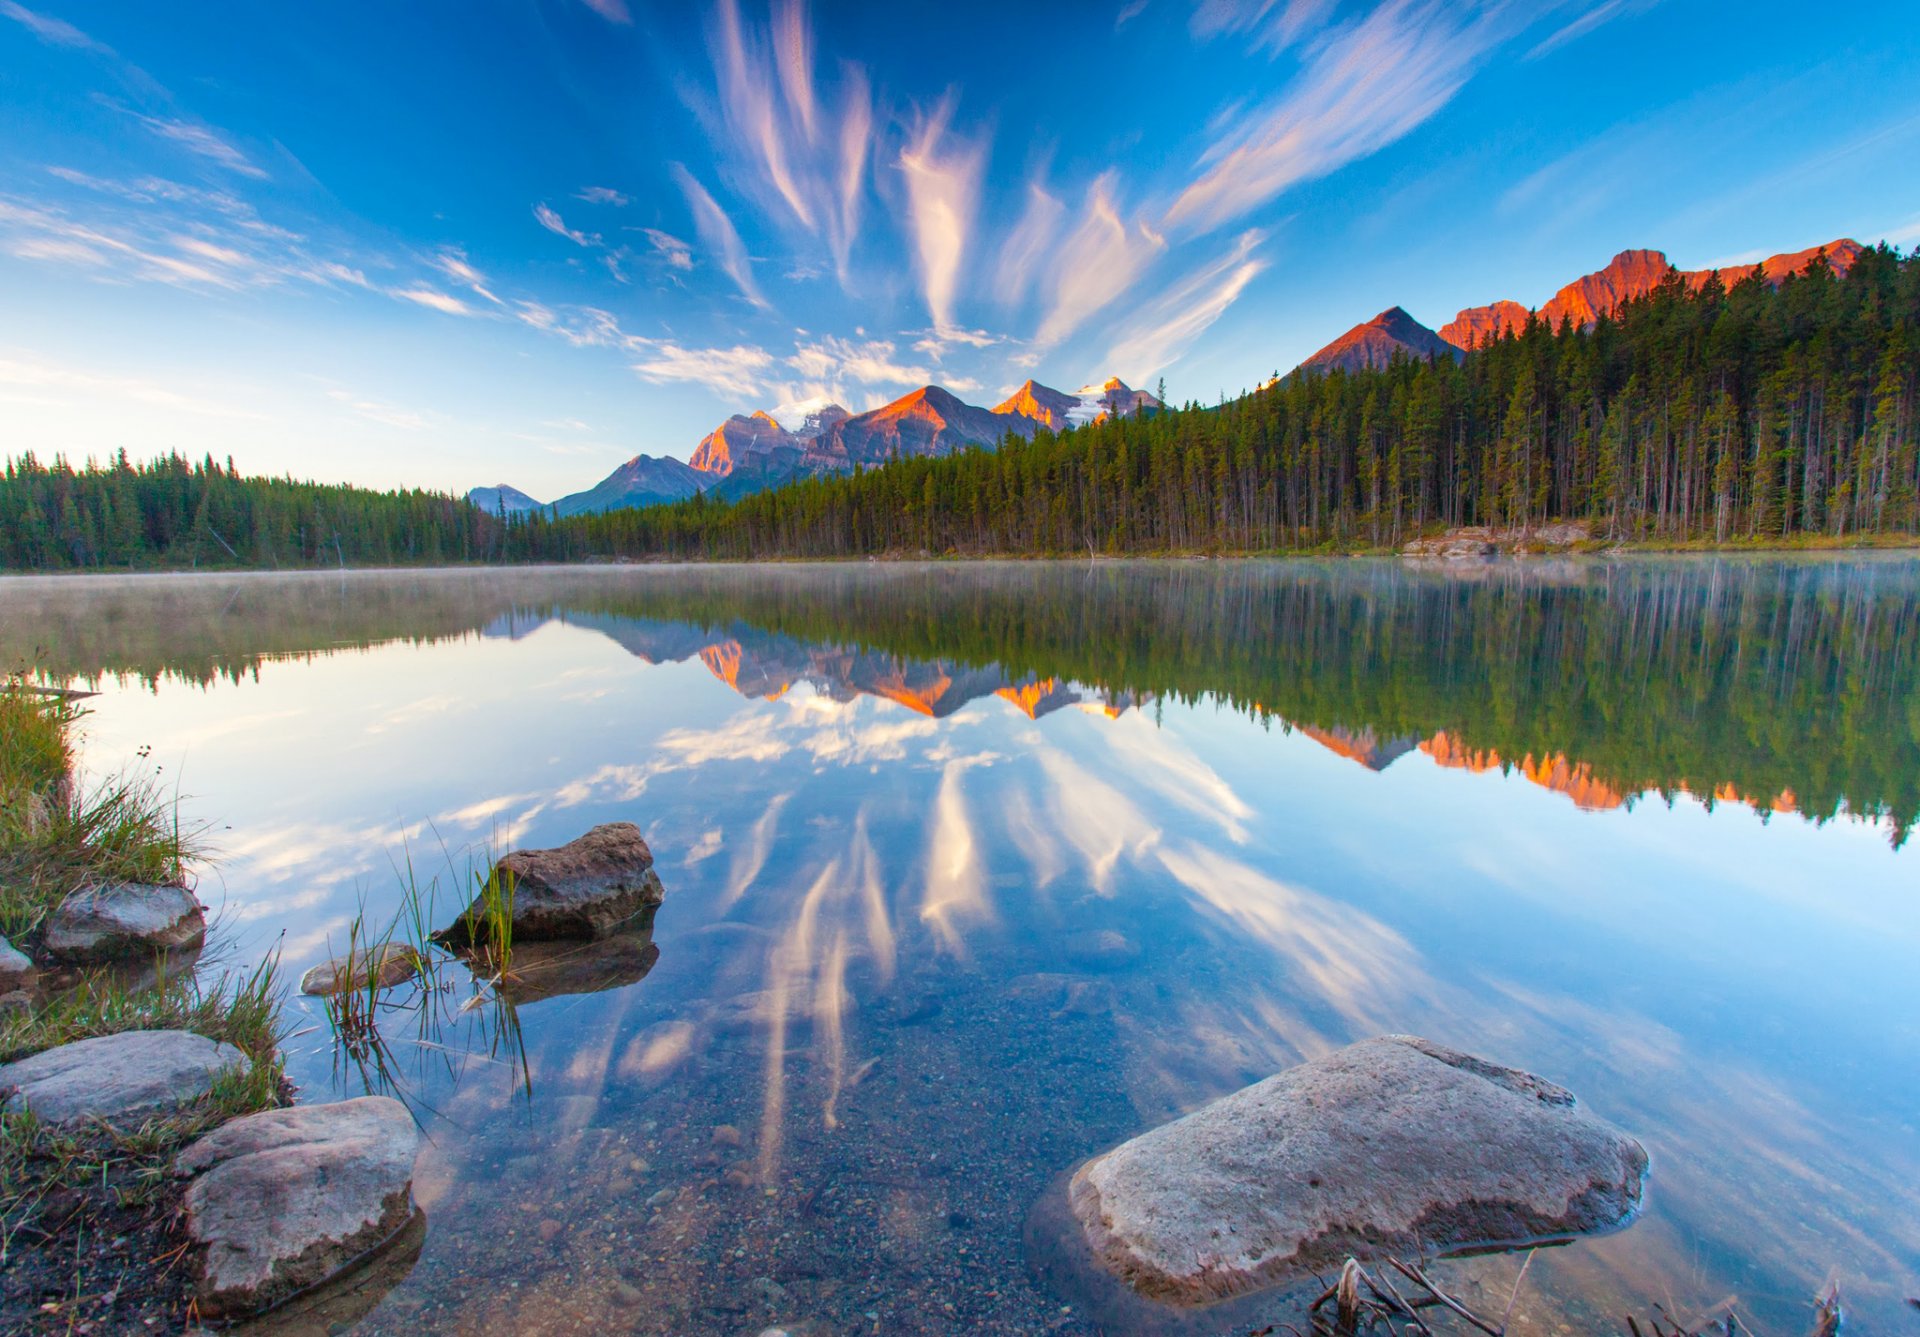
973, 871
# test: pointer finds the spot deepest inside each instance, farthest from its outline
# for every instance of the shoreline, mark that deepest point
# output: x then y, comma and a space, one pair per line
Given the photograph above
1585, 548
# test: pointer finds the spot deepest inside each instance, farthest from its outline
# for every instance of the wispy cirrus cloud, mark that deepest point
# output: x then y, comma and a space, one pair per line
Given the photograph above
943, 173
1273, 25
1169, 324
204, 141
613, 11
57, 32
554, 223
1102, 258
1363, 85
1604, 12
719, 236
809, 161
603, 195
21, 371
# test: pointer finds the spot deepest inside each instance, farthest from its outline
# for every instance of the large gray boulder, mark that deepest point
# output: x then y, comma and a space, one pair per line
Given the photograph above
117, 920
122, 1080
16, 969
283, 1200
1391, 1145
584, 889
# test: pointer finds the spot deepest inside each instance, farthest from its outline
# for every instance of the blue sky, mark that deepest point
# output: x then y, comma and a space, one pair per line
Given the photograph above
447, 244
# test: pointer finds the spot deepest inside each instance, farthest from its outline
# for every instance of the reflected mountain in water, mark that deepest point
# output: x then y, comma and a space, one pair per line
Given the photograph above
1787, 685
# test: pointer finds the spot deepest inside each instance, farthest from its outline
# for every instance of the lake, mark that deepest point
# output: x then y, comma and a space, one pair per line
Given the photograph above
975, 870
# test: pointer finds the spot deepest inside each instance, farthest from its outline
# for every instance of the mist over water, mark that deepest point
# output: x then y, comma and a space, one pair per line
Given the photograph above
973, 871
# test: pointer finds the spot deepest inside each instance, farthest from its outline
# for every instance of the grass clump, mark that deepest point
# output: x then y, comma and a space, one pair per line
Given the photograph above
56, 837
69, 1197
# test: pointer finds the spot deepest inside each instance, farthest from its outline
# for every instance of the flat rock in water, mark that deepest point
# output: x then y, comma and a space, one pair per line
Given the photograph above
584, 889
384, 966
1383, 1147
122, 1079
283, 1200
116, 920
16, 970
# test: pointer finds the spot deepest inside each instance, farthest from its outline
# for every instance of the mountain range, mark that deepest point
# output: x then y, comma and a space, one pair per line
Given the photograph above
1628, 275
751, 452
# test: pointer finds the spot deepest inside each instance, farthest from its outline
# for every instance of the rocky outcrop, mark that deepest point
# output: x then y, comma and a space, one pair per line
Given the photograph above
382, 966
1391, 1145
118, 920
121, 1080
1486, 541
584, 889
281, 1201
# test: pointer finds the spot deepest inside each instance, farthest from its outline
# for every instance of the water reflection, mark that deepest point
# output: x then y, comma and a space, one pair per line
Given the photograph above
975, 871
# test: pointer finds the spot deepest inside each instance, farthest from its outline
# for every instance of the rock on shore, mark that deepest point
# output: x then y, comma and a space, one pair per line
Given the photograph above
122, 1080
1385, 1146
584, 889
283, 1200
384, 966
16, 970
118, 920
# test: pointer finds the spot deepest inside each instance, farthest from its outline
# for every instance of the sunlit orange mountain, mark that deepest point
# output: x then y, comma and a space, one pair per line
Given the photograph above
929, 421
1361, 745
1628, 275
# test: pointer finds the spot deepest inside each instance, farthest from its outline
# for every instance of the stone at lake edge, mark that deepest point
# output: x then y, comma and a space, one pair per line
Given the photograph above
116, 920
389, 964
16, 970
1382, 1147
122, 1079
282, 1200
584, 889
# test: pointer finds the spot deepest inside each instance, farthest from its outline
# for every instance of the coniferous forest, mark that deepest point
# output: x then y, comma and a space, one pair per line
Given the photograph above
1754, 413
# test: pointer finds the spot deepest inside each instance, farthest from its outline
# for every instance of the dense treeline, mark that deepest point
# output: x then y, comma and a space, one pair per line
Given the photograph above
174, 513
1755, 412
1751, 413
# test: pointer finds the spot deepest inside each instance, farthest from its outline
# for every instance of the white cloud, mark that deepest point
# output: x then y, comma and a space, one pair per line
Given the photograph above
603, 195
670, 248
557, 225
943, 191
833, 360
435, 299
730, 371
719, 236
31, 371
613, 11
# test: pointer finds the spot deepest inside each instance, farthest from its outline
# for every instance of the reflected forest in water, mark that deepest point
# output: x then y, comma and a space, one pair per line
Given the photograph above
1788, 686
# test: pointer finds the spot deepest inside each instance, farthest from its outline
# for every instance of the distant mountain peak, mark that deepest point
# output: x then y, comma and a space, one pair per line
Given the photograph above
1391, 334
1090, 403
504, 498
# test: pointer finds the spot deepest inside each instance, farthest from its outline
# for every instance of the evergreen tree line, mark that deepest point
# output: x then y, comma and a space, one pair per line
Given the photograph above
175, 513
1745, 413
1756, 412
